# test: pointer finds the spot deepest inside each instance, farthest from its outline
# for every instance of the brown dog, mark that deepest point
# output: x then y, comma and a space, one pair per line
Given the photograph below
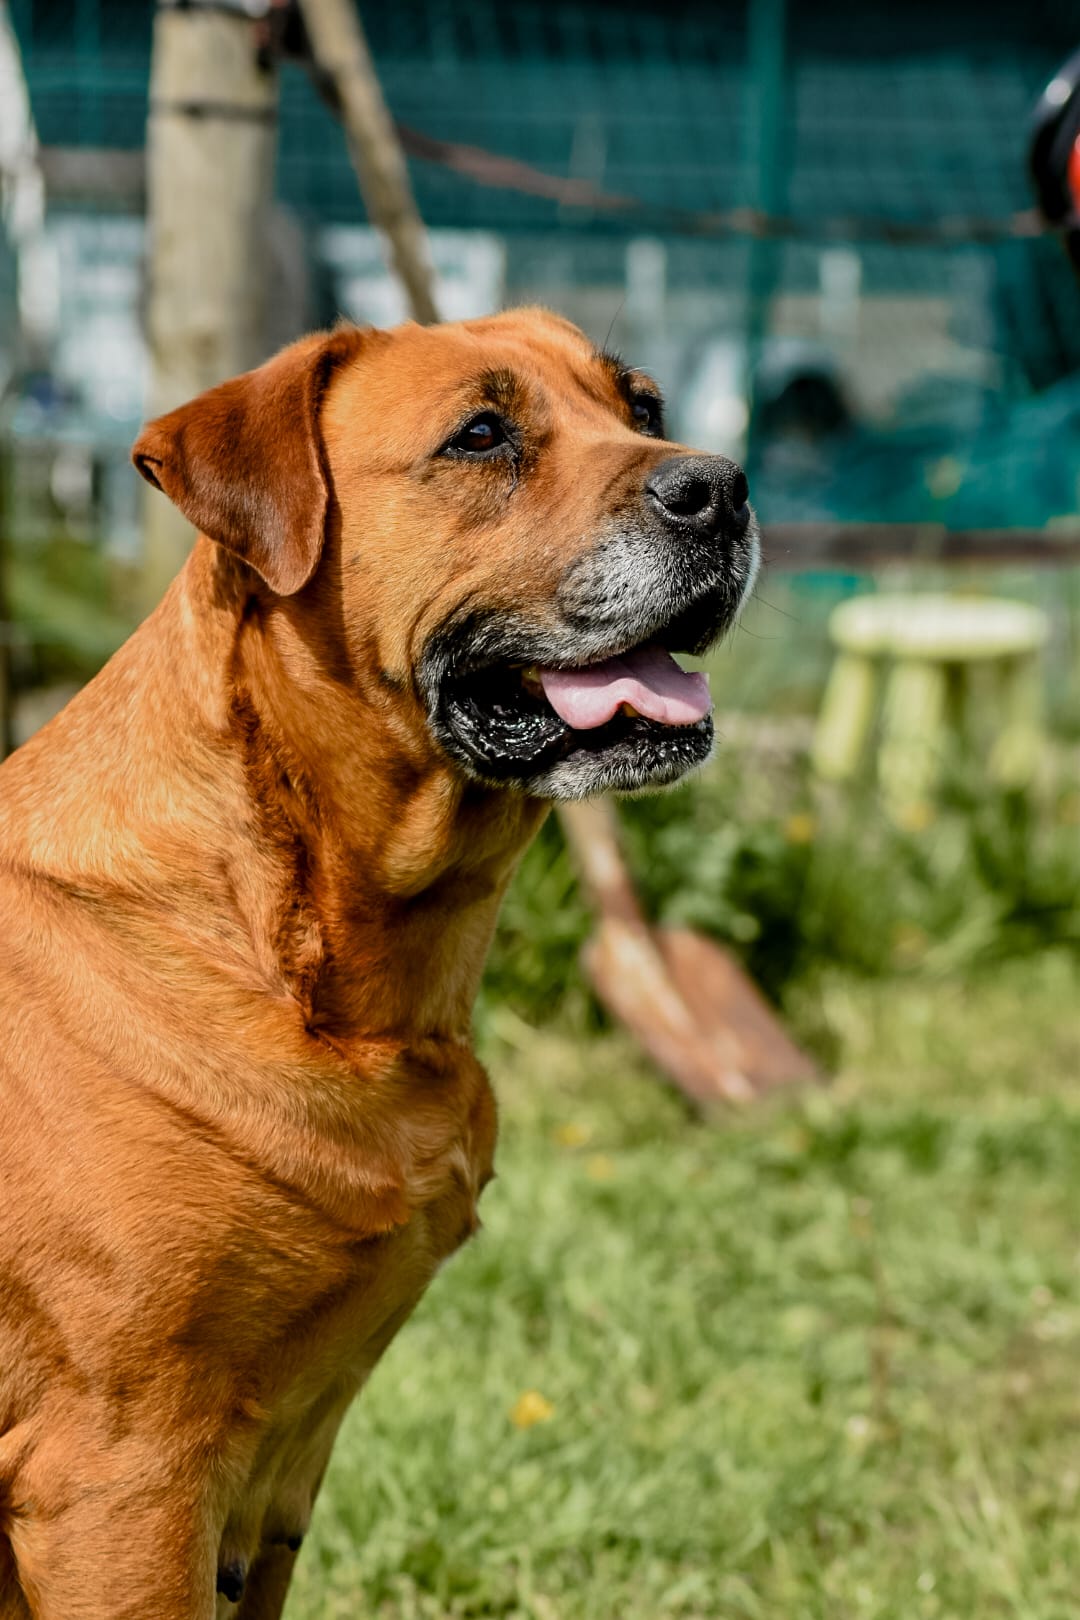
247, 882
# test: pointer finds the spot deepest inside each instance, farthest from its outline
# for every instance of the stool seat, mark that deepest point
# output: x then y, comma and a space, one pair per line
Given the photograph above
946, 629
911, 663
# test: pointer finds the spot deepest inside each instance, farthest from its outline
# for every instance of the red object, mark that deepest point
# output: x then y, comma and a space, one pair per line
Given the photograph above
1072, 175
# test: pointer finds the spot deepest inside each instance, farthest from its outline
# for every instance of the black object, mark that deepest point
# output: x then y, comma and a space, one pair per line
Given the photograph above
253, 9
1054, 154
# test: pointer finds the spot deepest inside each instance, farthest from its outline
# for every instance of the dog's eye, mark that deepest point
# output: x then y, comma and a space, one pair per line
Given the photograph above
480, 436
648, 415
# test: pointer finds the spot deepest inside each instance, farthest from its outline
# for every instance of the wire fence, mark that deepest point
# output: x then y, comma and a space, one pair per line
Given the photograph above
814, 226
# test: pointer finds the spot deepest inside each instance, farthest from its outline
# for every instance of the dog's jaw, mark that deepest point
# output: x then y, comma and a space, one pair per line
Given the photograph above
493, 719
638, 759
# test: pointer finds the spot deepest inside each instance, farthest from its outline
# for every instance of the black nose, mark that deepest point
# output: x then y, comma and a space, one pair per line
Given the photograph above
700, 495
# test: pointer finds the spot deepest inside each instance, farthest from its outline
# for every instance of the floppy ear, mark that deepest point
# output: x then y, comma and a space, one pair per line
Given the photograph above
244, 462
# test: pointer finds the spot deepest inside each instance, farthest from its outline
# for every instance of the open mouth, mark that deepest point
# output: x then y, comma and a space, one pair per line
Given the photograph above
527, 716
562, 730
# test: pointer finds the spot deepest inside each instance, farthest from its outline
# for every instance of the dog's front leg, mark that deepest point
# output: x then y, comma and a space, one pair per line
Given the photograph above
267, 1584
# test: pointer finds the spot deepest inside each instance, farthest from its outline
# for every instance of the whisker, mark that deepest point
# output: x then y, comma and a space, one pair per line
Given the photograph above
614, 318
783, 612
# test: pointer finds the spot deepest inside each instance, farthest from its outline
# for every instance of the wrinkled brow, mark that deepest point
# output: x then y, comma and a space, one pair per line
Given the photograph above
502, 390
626, 380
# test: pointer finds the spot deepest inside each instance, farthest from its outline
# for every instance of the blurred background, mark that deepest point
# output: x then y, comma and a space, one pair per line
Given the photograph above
817, 1356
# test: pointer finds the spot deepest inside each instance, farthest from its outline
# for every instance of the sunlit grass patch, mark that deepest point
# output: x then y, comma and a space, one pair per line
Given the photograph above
815, 1361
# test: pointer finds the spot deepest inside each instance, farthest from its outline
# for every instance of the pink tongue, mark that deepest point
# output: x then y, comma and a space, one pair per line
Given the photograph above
647, 678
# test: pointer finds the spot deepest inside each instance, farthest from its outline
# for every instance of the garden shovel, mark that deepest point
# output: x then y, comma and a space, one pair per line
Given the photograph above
685, 999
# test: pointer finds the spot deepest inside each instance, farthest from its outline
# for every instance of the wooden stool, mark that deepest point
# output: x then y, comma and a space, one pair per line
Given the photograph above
920, 661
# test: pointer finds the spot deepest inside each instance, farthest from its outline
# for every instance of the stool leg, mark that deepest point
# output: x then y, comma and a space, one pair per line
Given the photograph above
1014, 756
913, 734
847, 714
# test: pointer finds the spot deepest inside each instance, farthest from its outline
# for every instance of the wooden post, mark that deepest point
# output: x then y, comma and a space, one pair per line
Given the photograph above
210, 158
22, 214
765, 188
7, 739
341, 51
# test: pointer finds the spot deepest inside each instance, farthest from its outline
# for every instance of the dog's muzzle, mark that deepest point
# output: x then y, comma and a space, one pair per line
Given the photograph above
591, 698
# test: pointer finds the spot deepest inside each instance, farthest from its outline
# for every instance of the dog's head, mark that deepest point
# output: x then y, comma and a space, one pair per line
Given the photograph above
510, 535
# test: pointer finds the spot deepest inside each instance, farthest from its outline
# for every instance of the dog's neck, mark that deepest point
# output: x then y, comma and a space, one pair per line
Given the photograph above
390, 868
374, 872
356, 873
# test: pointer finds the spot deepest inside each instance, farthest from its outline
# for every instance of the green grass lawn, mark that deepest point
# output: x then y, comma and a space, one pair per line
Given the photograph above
817, 1361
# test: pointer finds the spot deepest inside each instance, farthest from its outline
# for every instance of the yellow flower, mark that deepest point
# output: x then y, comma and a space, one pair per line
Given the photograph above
909, 943
800, 828
916, 816
572, 1134
600, 1168
530, 1408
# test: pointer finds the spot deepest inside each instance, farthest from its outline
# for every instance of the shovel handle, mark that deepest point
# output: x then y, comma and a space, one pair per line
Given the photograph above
591, 829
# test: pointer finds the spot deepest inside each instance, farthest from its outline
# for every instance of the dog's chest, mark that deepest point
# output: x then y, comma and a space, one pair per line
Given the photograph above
344, 1319
377, 1283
